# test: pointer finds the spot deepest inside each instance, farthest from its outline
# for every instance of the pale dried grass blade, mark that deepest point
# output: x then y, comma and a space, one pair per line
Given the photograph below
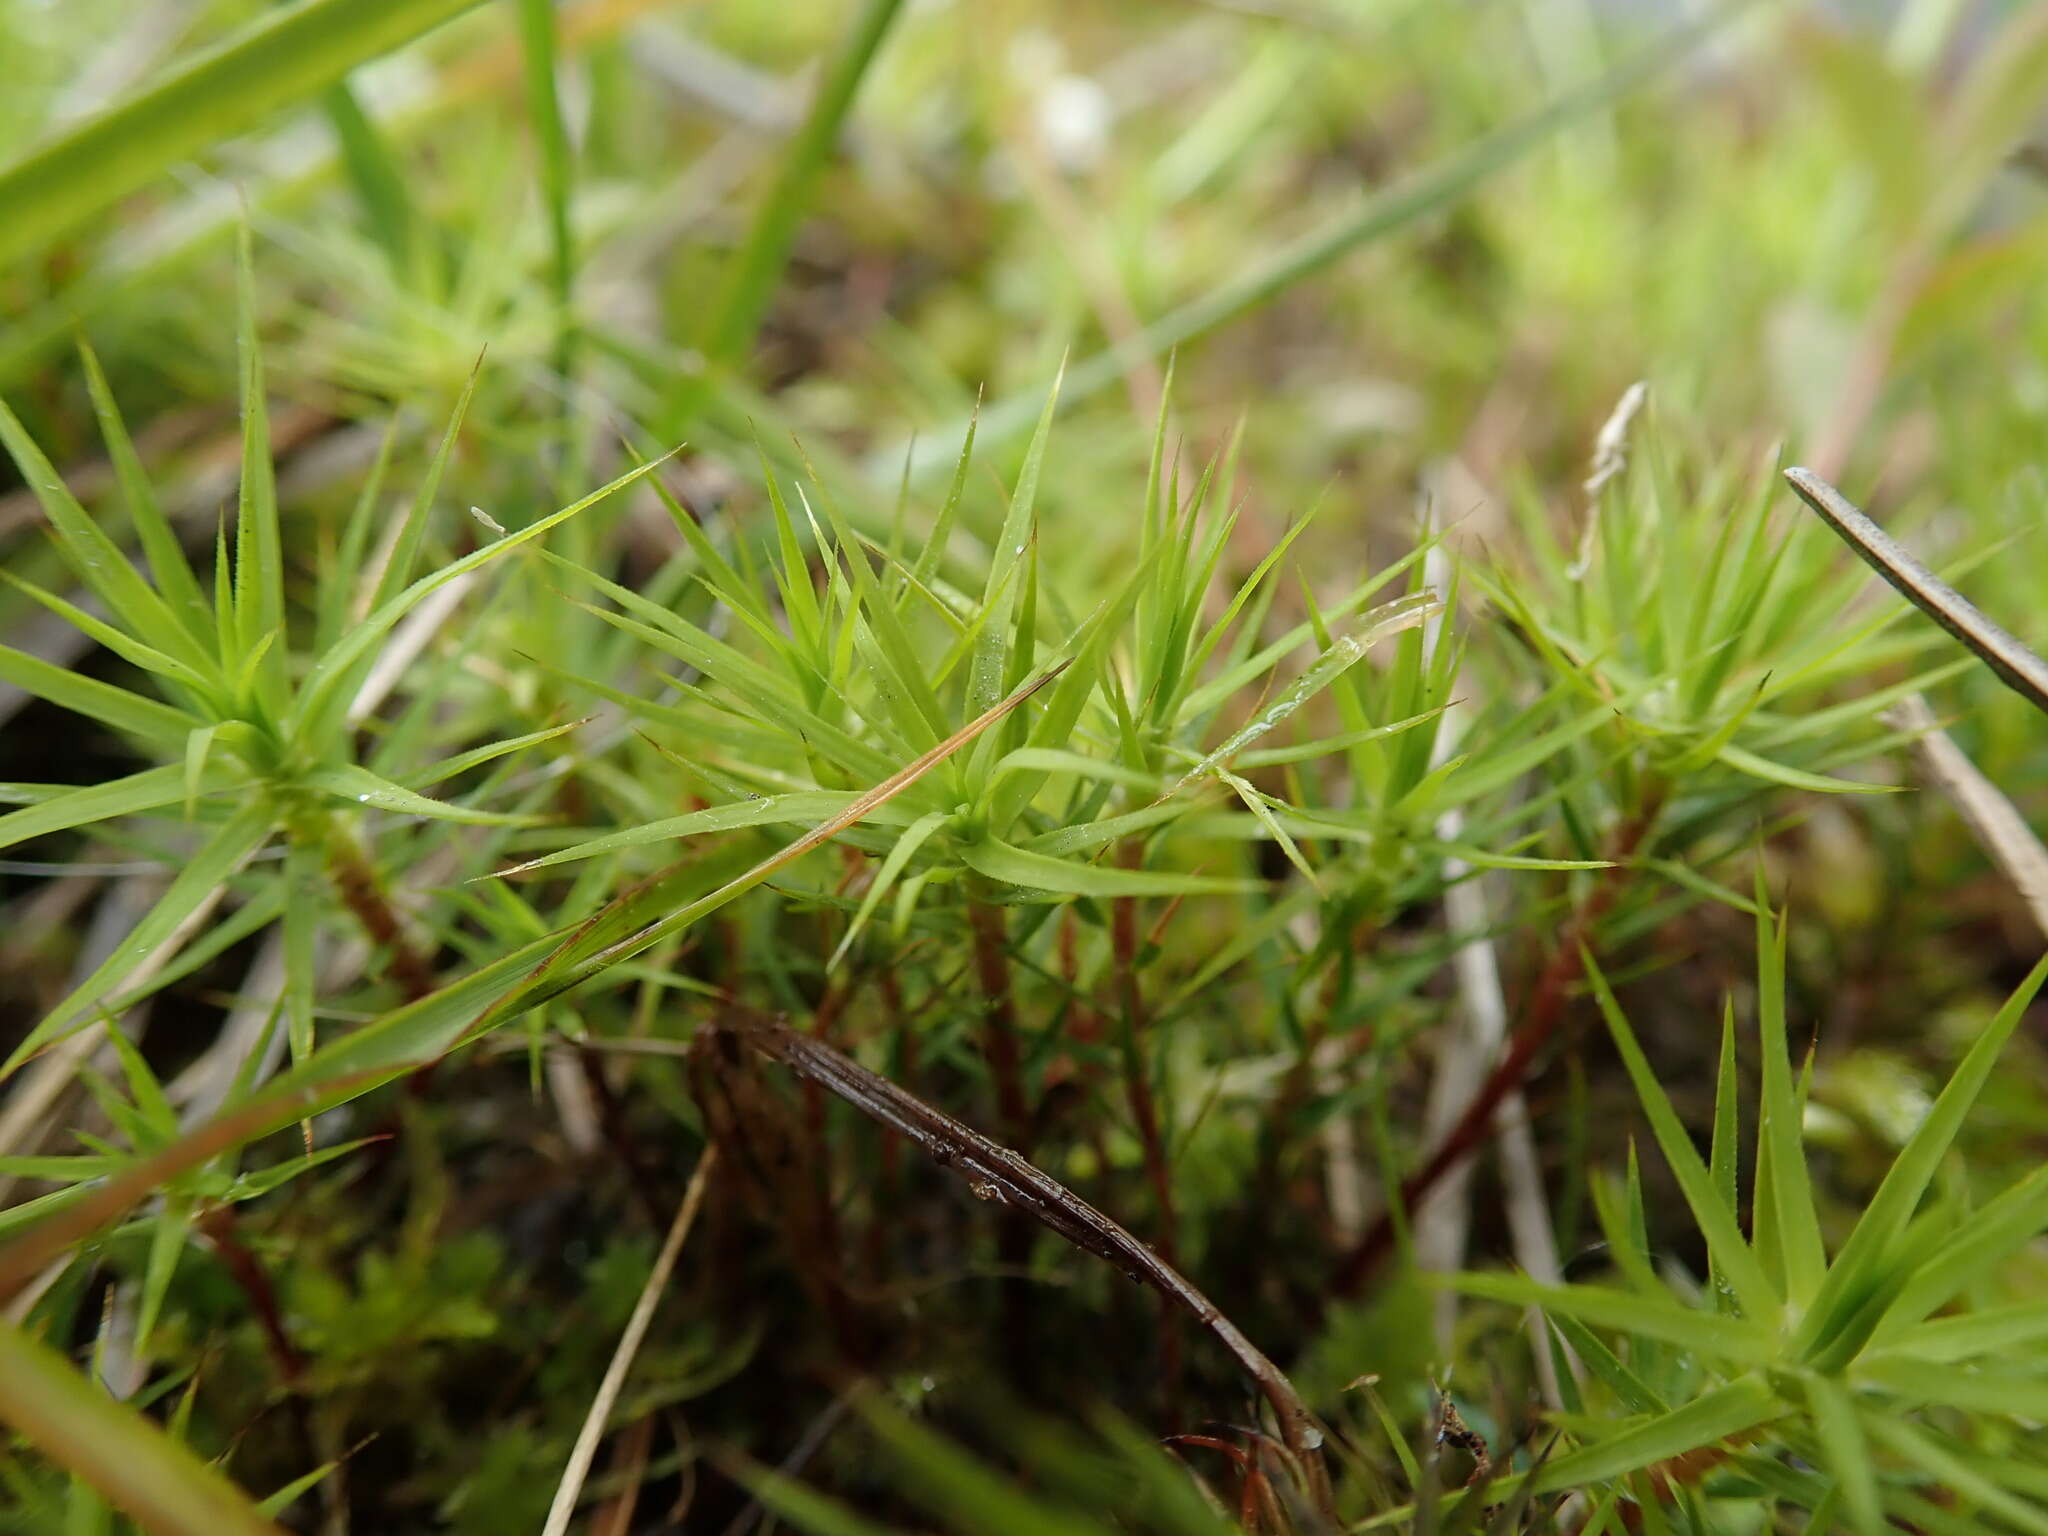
585, 1451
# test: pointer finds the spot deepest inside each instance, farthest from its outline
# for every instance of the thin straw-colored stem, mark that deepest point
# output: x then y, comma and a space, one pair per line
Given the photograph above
585, 1451
1998, 826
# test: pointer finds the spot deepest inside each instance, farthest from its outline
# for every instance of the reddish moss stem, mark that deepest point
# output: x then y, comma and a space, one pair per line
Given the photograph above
890, 1182
1540, 1022
217, 1225
1013, 1110
999, 1032
1137, 1081
362, 895
641, 1184
1123, 934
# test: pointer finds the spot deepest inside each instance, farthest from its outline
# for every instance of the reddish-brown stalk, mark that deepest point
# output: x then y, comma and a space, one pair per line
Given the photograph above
999, 1020
217, 1225
357, 882
1540, 1022
1123, 935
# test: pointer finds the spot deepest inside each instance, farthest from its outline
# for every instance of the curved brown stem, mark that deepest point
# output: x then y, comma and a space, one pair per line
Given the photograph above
997, 1174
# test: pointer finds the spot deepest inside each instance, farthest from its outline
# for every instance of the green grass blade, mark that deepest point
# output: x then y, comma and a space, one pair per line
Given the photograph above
256, 913
1483, 858
1846, 1453
1341, 655
161, 546
336, 600
2014, 1388
359, 786
304, 877
476, 757
999, 595
1797, 1222
232, 843
1744, 761
149, 790
1724, 1155
30, 1212
99, 561
1822, 1520
1244, 670
806, 1510
802, 808
376, 175
1993, 1331
405, 549
166, 1246
325, 693
747, 678
259, 544
557, 168
152, 1106
284, 1498
1049, 760
1967, 1255
410, 1037
757, 265
1955, 1475
896, 649
1634, 1393
901, 852
1326, 746
1065, 877
1855, 1272
1733, 1257
865, 805
1263, 812
1250, 585
279, 59
799, 595
1707, 1420
761, 691
123, 644
952, 1484
1089, 835
1009, 793
135, 1464
1646, 1316
926, 566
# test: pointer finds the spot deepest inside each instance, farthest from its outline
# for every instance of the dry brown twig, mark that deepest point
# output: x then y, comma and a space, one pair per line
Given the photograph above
996, 1173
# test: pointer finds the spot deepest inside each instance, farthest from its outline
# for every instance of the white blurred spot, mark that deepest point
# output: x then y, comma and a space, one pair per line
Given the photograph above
1074, 114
